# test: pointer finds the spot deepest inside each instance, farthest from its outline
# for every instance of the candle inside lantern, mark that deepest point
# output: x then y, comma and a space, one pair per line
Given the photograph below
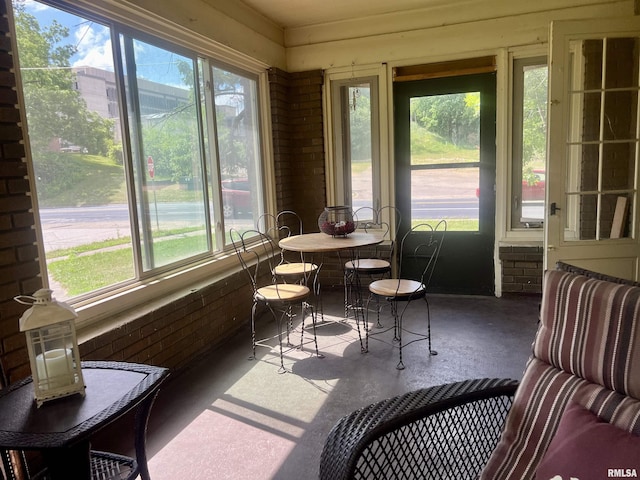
55, 365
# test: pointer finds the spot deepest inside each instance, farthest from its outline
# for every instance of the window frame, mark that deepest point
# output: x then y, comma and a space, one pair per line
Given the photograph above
342, 138
517, 140
382, 174
179, 278
514, 229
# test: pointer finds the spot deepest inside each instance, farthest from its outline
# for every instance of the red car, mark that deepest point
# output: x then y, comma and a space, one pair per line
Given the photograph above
530, 191
236, 197
534, 190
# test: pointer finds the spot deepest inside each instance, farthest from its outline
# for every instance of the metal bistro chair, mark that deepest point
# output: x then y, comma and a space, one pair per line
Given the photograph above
258, 257
379, 265
292, 267
421, 246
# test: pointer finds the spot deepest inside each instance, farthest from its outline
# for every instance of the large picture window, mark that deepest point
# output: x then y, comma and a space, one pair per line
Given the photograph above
144, 153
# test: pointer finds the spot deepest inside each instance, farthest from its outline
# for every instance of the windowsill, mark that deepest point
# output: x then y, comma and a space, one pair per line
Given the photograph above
520, 242
112, 312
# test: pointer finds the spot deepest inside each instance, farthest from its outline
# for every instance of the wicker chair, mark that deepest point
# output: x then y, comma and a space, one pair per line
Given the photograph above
447, 431
498, 429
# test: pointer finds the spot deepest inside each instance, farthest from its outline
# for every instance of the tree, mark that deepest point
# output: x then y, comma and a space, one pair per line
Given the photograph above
55, 110
534, 121
453, 117
360, 118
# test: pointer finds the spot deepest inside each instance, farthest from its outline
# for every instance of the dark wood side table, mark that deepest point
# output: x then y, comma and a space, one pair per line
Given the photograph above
61, 429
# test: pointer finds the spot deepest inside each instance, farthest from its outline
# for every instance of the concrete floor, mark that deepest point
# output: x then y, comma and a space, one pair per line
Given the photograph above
227, 417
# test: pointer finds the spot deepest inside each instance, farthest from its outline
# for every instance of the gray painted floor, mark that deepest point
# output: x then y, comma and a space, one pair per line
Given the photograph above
227, 417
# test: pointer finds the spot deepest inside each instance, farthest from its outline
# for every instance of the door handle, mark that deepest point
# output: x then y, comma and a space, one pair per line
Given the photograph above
553, 208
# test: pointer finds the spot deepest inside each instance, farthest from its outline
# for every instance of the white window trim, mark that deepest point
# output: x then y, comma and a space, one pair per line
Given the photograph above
512, 236
333, 160
108, 309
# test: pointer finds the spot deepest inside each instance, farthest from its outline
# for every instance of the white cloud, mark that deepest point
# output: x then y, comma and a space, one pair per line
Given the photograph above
32, 6
94, 47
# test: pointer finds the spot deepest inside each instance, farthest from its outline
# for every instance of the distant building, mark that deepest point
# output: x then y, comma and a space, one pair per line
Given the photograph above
98, 89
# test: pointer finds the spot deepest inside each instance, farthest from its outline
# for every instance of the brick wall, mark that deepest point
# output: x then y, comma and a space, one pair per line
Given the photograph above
172, 331
521, 269
619, 110
298, 143
19, 267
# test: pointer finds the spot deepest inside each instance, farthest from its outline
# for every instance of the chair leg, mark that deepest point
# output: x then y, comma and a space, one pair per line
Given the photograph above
290, 324
313, 323
431, 351
279, 326
378, 309
396, 326
253, 331
397, 320
347, 295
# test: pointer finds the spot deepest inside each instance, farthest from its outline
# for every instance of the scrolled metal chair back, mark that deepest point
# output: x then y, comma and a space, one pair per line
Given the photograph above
427, 248
256, 252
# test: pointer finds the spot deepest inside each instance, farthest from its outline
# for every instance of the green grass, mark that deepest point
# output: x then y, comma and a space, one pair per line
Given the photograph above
93, 266
453, 224
89, 180
429, 148
80, 274
98, 181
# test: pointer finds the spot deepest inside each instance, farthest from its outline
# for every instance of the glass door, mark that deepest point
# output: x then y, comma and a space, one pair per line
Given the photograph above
594, 146
445, 156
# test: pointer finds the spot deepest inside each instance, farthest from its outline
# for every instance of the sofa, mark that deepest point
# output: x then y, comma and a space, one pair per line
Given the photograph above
574, 414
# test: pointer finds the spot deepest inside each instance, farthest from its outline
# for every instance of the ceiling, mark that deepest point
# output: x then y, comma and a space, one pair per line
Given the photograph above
299, 13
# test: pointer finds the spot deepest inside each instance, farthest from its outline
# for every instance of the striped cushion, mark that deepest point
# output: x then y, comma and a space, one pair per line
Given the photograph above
587, 349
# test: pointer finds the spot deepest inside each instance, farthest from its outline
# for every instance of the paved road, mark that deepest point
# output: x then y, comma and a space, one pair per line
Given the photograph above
68, 227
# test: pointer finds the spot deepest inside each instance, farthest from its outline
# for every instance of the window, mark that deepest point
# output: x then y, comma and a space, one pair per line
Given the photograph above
356, 147
529, 142
603, 139
145, 152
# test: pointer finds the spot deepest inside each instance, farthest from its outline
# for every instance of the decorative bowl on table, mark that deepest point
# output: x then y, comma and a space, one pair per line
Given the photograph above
337, 221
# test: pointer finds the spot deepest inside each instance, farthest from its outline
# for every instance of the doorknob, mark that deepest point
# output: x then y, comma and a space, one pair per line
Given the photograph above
553, 208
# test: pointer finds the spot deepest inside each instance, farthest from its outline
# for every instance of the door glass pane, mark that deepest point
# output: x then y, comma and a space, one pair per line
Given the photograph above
585, 104
361, 165
618, 160
167, 154
620, 109
445, 156
450, 194
603, 139
76, 148
622, 72
236, 104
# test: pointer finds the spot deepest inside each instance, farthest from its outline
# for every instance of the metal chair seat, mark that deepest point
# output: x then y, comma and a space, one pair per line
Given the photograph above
398, 289
282, 293
295, 269
369, 266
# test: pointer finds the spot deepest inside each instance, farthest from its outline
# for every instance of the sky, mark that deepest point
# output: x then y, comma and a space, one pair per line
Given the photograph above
93, 43
92, 39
